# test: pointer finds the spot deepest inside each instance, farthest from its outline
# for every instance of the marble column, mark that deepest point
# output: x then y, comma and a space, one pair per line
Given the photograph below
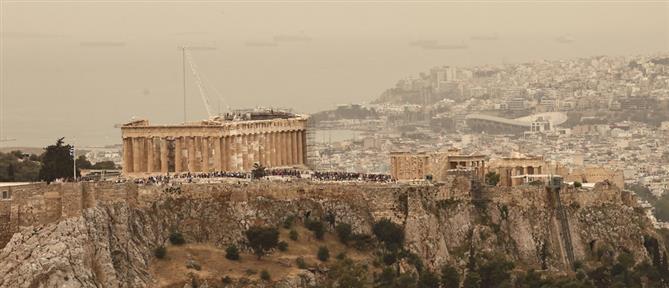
218, 160
287, 148
190, 145
227, 154
205, 154
127, 155
305, 160
245, 153
296, 157
300, 153
280, 152
273, 153
178, 154
150, 154
235, 159
164, 168
136, 159
266, 149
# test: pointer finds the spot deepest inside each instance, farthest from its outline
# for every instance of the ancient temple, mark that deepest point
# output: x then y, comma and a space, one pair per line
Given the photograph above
234, 142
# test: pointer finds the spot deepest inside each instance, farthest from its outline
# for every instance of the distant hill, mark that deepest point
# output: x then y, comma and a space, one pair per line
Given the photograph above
29, 150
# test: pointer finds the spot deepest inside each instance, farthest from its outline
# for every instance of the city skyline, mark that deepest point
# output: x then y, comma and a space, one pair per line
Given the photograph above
297, 56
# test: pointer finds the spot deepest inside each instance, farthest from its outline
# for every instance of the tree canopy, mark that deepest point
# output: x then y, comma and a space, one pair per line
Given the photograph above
262, 239
57, 162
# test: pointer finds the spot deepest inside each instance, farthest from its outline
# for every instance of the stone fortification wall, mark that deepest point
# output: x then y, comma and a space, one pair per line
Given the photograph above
443, 223
38, 204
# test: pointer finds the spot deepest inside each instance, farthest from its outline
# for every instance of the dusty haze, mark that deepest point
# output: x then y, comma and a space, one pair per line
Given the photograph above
73, 69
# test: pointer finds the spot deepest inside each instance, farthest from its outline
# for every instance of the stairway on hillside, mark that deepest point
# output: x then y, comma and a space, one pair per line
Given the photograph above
565, 234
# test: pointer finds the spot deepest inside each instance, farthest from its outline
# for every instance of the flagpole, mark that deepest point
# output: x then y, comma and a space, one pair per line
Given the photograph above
74, 162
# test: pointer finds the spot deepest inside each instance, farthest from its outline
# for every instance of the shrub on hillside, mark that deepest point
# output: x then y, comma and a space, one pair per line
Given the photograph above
288, 222
177, 238
449, 276
232, 252
283, 246
344, 232
160, 252
391, 234
301, 263
317, 227
293, 235
262, 239
264, 275
323, 253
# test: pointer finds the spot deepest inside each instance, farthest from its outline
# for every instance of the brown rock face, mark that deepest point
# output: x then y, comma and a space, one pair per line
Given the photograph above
110, 245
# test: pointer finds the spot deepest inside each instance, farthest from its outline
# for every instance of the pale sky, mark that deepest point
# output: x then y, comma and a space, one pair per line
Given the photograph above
75, 69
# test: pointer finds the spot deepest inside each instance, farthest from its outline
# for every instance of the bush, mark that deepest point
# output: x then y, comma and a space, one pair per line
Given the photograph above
250, 272
362, 242
283, 246
391, 234
341, 256
226, 280
317, 227
288, 222
262, 239
578, 184
323, 253
429, 280
177, 239
264, 275
343, 232
160, 252
449, 277
293, 235
300, 263
232, 252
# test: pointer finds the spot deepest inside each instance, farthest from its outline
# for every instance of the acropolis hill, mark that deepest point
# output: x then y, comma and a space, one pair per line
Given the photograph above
102, 234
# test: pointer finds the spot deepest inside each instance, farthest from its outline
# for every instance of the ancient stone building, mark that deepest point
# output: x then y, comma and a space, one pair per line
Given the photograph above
231, 143
519, 169
438, 165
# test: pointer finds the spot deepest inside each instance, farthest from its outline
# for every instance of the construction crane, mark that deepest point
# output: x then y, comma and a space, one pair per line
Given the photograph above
199, 79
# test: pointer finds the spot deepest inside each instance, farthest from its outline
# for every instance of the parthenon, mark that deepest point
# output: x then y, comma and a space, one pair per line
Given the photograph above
231, 143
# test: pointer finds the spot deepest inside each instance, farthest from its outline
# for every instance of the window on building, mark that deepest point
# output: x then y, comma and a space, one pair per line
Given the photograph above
5, 194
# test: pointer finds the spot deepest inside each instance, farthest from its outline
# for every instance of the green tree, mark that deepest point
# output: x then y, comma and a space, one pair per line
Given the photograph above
83, 163
323, 253
344, 232
428, 279
391, 234
346, 273
262, 239
104, 165
258, 171
57, 162
472, 280
10, 172
495, 272
492, 178
450, 277
317, 227
232, 252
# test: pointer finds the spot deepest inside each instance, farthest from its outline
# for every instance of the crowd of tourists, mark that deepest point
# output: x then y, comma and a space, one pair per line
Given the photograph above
188, 177
295, 173
350, 176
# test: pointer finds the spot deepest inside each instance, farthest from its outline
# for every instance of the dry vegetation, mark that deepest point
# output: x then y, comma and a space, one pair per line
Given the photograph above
172, 271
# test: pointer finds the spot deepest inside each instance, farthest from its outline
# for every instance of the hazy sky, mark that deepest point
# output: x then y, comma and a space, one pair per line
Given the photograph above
75, 69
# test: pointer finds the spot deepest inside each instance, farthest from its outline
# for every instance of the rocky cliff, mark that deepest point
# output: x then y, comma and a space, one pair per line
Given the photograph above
111, 244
